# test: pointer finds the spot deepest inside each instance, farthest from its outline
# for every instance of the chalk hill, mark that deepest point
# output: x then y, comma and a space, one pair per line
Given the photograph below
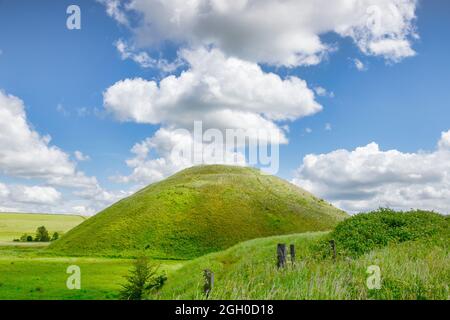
197, 211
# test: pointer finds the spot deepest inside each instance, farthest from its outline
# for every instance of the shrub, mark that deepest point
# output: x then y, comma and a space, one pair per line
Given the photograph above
367, 231
55, 236
23, 238
143, 279
42, 235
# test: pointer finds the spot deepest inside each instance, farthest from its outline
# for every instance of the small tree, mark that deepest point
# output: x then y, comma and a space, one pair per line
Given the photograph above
55, 236
142, 279
42, 235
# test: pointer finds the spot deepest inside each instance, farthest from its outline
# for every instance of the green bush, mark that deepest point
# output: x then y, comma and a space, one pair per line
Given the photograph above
143, 279
367, 231
55, 236
42, 235
24, 238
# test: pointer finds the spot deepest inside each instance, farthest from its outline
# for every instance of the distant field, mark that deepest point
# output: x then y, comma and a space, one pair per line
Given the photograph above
13, 225
27, 273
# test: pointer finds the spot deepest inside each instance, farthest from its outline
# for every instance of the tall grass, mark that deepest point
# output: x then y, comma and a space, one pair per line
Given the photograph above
413, 269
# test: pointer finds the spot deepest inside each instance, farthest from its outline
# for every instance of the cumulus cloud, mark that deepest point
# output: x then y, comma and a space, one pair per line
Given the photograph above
367, 177
18, 195
171, 150
222, 92
25, 154
272, 31
36, 195
23, 151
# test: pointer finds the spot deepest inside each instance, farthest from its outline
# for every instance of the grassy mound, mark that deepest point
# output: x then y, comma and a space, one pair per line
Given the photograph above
364, 232
197, 211
416, 268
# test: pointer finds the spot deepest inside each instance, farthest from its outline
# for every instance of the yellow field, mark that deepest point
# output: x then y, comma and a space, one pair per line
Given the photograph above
13, 225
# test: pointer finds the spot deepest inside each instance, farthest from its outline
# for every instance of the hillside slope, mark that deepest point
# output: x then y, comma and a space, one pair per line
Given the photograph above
197, 211
412, 266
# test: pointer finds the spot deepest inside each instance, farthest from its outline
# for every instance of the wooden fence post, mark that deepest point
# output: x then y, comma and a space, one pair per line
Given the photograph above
208, 276
292, 253
333, 249
281, 255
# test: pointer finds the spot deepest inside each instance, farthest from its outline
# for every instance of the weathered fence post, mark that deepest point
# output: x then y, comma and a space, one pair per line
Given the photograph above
208, 275
333, 249
292, 253
281, 255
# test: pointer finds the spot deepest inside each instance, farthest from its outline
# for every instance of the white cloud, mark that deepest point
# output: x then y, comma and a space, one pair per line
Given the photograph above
25, 154
322, 92
170, 151
395, 49
328, 127
46, 199
222, 92
114, 9
367, 178
4, 191
308, 130
359, 65
36, 195
143, 59
80, 156
18, 195
444, 142
62, 110
276, 32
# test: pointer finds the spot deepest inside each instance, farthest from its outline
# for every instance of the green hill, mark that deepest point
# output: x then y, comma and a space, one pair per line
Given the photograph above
197, 211
412, 254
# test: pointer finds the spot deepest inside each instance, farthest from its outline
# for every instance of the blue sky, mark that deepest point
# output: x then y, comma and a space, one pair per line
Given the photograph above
61, 75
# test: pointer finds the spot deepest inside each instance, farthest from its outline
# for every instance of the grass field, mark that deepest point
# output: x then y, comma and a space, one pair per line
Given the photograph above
13, 225
411, 270
411, 250
27, 273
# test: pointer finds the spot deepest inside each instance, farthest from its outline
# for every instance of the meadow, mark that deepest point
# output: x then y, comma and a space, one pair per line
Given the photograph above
13, 225
28, 273
411, 250
409, 271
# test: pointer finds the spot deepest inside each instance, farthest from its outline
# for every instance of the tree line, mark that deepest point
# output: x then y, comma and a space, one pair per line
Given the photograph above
42, 235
